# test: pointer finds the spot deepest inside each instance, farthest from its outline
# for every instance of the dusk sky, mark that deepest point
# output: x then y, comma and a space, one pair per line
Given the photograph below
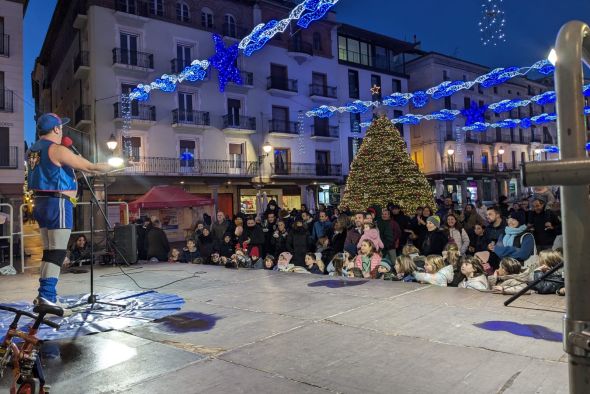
448, 27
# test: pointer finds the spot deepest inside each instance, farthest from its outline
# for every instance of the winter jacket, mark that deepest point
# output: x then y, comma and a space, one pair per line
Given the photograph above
512, 284
338, 240
549, 285
314, 270
373, 235
458, 277
352, 236
385, 233
188, 256
256, 236
476, 283
321, 229
157, 245
494, 234
403, 222
278, 244
544, 238
218, 230
226, 249
298, 244
479, 243
521, 249
375, 261
461, 239
441, 278
205, 245
434, 243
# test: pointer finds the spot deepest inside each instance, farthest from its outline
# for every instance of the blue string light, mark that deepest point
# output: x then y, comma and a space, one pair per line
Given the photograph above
445, 89
225, 61
474, 114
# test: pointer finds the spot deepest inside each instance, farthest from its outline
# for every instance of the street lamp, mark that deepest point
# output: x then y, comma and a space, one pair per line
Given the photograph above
450, 153
112, 143
501, 151
267, 148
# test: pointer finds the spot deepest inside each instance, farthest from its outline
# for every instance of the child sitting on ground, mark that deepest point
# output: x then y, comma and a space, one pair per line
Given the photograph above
368, 260
174, 256
227, 247
384, 270
283, 262
355, 272
269, 262
475, 276
410, 250
554, 283
190, 252
404, 269
371, 233
436, 271
313, 265
509, 278
453, 257
336, 266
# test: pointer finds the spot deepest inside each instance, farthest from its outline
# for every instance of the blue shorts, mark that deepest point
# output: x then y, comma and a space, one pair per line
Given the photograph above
53, 213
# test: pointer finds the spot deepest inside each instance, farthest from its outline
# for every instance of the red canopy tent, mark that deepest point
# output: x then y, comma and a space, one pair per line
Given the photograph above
168, 197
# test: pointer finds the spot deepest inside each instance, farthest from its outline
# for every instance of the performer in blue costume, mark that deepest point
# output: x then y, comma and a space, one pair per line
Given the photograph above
51, 176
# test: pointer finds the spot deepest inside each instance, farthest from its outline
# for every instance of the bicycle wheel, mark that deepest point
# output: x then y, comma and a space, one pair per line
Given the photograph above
30, 386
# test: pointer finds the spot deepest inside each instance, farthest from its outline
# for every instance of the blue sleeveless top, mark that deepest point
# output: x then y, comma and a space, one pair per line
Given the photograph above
46, 176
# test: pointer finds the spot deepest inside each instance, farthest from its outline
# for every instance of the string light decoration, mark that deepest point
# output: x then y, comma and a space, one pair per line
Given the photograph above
474, 114
383, 172
301, 132
126, 113
491, 24
420, 98
225, 61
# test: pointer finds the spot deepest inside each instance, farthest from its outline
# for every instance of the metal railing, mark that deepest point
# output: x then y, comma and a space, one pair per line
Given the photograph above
133, 58
6, 100
247, 78
134, 7
83, 231
234, 31
283, 126
4, 45
190, 167
196, 118
239, 122
306, 169
325, 131
9, 157
138, 111
178, 65
300, 47
280, 83
81, 59
82, 113
323, 90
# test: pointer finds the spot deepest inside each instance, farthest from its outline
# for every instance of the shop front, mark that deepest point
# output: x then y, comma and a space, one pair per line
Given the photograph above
253, 201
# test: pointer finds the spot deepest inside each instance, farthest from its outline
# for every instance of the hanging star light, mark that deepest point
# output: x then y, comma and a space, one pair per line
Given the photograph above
225, 61
491, 24
375, 90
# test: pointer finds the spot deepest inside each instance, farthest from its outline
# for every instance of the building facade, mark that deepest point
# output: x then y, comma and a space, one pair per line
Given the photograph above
208, 141
476, 165
11, 104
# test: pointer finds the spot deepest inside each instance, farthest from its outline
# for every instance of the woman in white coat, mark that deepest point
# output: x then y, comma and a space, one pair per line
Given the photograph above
456, 233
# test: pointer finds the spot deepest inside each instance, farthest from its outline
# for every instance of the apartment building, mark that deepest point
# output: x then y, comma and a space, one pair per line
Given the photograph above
477, 165
211, 142
11, 104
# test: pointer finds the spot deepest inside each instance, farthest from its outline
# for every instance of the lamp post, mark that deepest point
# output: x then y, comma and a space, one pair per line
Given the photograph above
113, 161
450, 158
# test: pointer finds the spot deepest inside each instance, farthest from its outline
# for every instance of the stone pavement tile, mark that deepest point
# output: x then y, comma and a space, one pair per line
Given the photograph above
215, 328
353, 360
217, 376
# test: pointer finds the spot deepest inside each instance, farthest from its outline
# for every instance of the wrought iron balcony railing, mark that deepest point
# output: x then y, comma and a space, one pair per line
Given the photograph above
190, 167
196, 118
323, 91
133, 58
306, 169
280, 83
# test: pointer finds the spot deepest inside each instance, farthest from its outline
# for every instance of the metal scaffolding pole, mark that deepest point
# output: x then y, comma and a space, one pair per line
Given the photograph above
571, 172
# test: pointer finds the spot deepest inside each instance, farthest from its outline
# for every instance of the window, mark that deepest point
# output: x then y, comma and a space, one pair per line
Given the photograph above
396, 85
520, 136
183, 12
342, 48
400, 127
183, 57
376, 81
236, 155
282, 158
129, 44
133, 154
207, 18
2, 95
354, 145
448, 102
185, 107
319, 84
157, 7
547, 137
4, 147
514, 160
445, 75
127, 6
355, 123
234, 108
4, 49
353, 84
322, 162
354, 51
279, 77
230, 28
280, 119
522, 157
466, 102
317, 41
495, 90
187, 153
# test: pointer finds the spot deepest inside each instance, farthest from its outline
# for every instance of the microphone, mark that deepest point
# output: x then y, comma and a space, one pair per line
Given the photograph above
68, 143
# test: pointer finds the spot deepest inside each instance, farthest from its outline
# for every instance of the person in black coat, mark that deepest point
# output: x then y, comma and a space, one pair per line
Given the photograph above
254, 235
478, 240
298, 243
206, 244
435, 240
142, 228
544, 224
403, 222
278, 242
227, 247
156, 242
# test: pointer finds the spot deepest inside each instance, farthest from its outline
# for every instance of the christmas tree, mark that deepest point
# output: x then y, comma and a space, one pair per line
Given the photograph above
383, 172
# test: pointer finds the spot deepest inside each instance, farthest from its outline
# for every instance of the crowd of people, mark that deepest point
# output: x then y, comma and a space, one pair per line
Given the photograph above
500, 248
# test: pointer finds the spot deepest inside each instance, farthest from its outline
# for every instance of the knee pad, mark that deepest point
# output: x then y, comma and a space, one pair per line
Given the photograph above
56, 256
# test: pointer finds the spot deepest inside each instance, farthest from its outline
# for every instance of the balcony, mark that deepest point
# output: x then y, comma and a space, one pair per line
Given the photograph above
239, 125
81, 65
168, 166
300, 51
466, 168
135, 12
9, 157
323, 93
143, 116
478, 138
231, 30
81, 18
125, 59
6, 101
247, 83
4, 45
326, 133
305, 170
283, 128
190, 120
178, 65
283, 87
82, 117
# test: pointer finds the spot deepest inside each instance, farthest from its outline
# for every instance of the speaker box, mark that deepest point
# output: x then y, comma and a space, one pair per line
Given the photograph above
125, 239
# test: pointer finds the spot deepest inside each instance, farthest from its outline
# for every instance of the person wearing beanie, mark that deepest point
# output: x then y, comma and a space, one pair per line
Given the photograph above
517, 242
435, 240
384, 270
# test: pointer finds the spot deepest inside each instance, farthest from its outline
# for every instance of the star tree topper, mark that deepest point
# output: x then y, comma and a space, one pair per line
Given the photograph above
225, 61
375, 90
